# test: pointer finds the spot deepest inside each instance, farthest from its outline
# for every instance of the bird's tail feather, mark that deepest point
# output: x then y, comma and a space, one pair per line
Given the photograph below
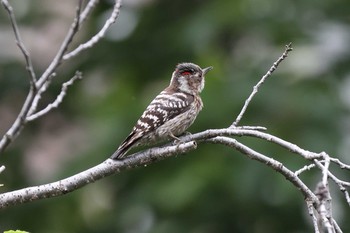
126, 145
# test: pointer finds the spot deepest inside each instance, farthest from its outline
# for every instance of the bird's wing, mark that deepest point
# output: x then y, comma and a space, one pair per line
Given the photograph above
163, 108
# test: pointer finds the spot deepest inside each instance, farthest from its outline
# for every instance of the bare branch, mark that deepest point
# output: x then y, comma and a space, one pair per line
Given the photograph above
20, 121
93, 174
276, 165
325, 169
206, 136
324, 207
336, 180
87, 10
261, 128
95, 39
336, 226
58, 99
38, 94
310, 208
347, 196
341, 164
254, 133
262, 80
66, 42
20, 44
305, 168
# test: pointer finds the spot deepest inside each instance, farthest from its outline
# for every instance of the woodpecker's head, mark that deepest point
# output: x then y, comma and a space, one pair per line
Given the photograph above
189, 78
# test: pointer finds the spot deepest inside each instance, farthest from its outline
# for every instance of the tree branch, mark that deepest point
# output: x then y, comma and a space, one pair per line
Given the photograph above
64, 47
87, 10
305, 168
253, 133
261, 82
38, 87
20, 44
146, 157
95, 39
21, 119
324, 207
274, 164
57, 101
219, 136
93, 174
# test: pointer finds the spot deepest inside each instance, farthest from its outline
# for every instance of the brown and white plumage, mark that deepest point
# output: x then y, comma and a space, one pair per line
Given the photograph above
171, 112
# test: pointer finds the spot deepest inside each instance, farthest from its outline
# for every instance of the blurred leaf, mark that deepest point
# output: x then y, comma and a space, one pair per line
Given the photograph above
16, 231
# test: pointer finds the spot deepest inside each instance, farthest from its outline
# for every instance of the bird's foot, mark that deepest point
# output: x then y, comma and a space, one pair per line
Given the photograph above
177, 141
187, 133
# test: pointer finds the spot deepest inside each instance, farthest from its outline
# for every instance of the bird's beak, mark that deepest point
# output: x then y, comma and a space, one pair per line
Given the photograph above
206, 70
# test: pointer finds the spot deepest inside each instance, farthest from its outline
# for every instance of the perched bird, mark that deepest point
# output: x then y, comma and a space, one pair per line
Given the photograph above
171, 112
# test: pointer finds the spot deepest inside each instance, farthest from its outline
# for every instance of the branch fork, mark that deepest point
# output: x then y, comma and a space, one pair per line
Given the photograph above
39, 85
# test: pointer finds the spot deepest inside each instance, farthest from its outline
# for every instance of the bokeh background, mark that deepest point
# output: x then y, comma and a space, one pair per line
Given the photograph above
213, 189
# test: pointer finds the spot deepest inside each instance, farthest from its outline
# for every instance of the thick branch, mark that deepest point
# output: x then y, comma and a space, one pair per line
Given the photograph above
210, 133
93, 174
149, 156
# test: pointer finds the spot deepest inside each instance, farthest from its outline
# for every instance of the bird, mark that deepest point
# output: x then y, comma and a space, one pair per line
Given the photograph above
171, 112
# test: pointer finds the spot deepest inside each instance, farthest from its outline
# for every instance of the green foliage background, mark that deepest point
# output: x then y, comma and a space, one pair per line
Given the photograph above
213, 189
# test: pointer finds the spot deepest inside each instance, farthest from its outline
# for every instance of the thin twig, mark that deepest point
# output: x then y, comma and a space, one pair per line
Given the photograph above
336, 226
79, 19
87, 10
58, 99
325, 169
64, 47
262, 80
111, 20
38, 95
341, 164
347, 196
276, 165
311, 211
20, 44
336, 180
330, 174
305, 168
261, 128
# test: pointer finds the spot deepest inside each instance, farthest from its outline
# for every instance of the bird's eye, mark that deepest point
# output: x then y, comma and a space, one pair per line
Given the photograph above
188, 72
185, 73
